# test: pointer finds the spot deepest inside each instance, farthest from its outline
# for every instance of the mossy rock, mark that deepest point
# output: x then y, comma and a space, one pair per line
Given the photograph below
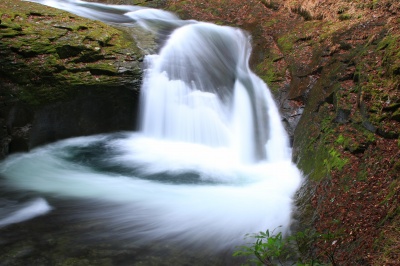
45, 51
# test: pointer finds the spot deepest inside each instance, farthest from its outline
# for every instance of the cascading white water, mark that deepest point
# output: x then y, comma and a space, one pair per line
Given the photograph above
211, 161
199, 89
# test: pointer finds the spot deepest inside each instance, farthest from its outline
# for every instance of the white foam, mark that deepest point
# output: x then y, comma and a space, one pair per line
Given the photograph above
26, 211
212, 160
240, 199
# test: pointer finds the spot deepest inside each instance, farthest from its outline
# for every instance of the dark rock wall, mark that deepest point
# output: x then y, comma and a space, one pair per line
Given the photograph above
90, 113
63, 76
24, 126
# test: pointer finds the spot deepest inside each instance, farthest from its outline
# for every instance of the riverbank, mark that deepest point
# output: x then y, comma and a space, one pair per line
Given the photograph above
334, 69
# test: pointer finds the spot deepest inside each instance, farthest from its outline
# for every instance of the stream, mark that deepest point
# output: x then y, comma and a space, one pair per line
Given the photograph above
210, 163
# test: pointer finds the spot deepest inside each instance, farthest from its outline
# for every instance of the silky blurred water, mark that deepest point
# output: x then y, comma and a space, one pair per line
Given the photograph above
210, 163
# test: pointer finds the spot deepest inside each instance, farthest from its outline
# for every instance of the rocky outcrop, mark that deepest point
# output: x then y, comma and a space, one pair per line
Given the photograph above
334, 69
63, 76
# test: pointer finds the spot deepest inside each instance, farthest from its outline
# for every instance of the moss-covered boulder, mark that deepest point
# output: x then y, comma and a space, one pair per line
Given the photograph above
62, 75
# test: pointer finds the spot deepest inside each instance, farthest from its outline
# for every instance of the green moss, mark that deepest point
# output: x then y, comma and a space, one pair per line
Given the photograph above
269, 73
344, 16
378, 79
271, 22
391, 59
285, 43
51, 54
315, 157
341, 140
334, 161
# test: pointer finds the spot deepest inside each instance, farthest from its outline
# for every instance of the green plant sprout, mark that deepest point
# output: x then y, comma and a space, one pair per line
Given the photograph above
272, 249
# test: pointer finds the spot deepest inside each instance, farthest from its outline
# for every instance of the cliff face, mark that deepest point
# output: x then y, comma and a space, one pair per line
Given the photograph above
347, 141
62, 76
334, 68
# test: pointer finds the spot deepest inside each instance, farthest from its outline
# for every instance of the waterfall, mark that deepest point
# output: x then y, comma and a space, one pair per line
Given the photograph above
200, 89
211, 161
190, 92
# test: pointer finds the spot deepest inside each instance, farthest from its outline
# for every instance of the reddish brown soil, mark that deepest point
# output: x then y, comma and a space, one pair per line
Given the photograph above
353, 47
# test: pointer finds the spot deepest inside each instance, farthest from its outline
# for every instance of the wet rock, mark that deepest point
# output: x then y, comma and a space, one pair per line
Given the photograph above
89, 113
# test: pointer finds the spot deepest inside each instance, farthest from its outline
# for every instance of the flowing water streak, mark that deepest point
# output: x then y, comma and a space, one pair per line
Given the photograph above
211, 162
16, 213
199, 89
